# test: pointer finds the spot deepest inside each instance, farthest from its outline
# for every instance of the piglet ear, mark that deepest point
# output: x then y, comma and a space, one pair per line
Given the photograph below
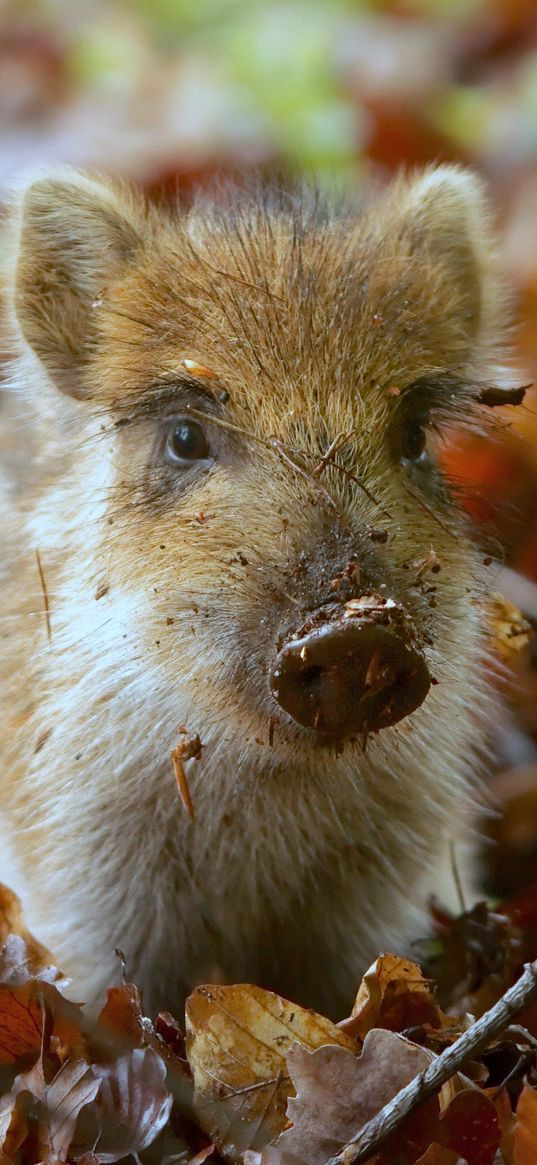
440, 219
72, 235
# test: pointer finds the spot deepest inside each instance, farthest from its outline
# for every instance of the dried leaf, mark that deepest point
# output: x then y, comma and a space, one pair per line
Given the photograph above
272, 1155
202, 1156
471, 1127
122, 1025
171, 1034
121, 1018
22, 1018
237, 1041
525, 1134
510, 632
56, 1106
507, 1121
437, 1155
393, 994
480, 952
22, 957
338, 1092
21, 1023
13, 1125
133, 1104
18, 964
74, 1086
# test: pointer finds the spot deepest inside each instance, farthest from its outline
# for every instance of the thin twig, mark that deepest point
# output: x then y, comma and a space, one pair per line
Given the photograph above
45, 594
182, 782
456, 876
370, 1138
421, 502
239, 279
289, 454
352, 477
189, 748
335, 446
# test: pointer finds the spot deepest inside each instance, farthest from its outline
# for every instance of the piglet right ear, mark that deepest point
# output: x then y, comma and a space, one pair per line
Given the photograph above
73, 235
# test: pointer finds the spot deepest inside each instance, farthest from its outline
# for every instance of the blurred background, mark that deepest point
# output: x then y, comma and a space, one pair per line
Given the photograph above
173, 92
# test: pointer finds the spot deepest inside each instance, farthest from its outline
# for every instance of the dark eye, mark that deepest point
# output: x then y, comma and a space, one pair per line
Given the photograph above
186, 442
414, 443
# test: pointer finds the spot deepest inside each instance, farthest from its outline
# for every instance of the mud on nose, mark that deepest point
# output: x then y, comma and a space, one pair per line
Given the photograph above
351, 676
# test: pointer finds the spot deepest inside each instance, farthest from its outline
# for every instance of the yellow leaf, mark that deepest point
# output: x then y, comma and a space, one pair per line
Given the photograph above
393, 994
509, 630
237, 1041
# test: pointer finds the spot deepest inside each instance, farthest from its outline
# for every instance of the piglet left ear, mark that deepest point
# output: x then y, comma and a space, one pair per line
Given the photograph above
72, 235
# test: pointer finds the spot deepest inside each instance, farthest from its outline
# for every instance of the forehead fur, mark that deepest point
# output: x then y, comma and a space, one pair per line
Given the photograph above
277, 293
288, 294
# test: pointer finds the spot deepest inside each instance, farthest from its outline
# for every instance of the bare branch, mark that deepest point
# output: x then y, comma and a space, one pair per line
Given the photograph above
369, 1139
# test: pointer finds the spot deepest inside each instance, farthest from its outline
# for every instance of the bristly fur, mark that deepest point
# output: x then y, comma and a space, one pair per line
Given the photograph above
169, 590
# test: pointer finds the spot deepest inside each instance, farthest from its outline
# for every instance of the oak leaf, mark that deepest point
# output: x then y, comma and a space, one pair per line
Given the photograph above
337, 1093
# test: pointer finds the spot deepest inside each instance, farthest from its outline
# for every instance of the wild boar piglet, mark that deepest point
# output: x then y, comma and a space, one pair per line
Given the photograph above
224, 517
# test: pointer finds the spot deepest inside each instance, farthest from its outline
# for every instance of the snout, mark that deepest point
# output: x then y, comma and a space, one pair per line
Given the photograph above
353, 673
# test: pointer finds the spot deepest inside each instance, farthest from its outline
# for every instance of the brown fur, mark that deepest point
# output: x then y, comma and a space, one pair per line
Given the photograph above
168, 595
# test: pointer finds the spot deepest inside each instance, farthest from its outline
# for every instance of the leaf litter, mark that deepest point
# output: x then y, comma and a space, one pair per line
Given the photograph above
253, 1078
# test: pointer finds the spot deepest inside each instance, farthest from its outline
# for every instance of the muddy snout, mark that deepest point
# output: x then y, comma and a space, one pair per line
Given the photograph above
352, 670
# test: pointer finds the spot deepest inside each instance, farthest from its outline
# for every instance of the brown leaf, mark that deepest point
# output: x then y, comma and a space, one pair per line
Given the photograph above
58, 1104
13, 1125
121, 1018
471, 1127
122, 1025
435, 1155
73, 1087
26, 954
237, 1041
21, 1023
393, 994
525, 1134
23, 1010
337, 1093
18, 964
478, 961
507, 1121
203, 1155
271, 1155
11, 918
171, 1034
133, 1104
